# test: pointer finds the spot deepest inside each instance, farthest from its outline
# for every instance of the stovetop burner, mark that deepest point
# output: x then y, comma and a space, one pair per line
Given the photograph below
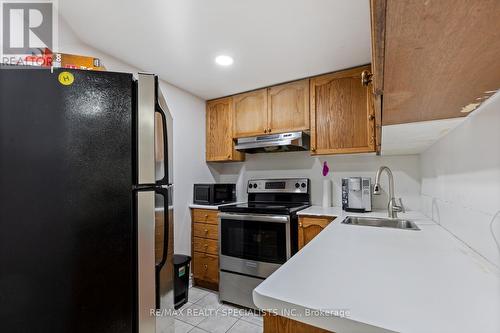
264, 208
274, 196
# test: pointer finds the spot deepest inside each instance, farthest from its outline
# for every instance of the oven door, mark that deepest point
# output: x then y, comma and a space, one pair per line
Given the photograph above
253, 244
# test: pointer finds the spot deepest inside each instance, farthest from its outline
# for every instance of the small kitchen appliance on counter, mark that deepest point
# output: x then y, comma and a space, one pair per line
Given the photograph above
257, 237
356, 194
214, 194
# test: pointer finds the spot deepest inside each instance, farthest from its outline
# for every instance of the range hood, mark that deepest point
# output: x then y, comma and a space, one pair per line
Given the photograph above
271, 143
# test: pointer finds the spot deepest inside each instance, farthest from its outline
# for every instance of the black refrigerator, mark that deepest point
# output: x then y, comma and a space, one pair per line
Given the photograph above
86, 217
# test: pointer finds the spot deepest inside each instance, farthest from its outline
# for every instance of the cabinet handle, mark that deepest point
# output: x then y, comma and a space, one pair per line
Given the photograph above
371, 117
206, 231
206, 216
206, 246
300, 224
268, 130
366, 78
205, 266
265, 130
229, 156
313, 150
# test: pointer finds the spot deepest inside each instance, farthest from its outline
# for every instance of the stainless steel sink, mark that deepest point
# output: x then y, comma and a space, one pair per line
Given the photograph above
381, 222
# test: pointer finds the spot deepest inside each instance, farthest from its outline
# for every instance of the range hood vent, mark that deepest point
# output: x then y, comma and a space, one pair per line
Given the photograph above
272, 143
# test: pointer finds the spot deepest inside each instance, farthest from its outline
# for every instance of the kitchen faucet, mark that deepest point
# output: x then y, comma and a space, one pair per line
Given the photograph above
392, 207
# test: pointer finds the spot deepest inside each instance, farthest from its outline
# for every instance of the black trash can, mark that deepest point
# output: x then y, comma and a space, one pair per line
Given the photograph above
181, 279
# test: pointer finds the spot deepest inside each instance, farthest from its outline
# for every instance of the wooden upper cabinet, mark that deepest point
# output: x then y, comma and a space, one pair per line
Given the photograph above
442, 58
250, 113
342, 115
219, 132
288, 107
336, 107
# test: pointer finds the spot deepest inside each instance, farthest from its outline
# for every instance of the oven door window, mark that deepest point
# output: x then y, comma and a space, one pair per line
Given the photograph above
254, 240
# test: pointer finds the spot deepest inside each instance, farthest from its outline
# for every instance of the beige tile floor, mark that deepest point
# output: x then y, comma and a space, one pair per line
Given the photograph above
203, 313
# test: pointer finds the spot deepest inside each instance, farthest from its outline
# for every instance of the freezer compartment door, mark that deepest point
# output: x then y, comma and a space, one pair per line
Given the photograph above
154, 134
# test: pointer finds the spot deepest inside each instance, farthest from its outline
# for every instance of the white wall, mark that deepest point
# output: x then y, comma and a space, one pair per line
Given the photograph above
188, 112
461, 180
301, 164
458, 177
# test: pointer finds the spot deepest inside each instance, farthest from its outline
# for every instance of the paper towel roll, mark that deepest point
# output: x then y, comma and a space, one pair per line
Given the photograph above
327, 193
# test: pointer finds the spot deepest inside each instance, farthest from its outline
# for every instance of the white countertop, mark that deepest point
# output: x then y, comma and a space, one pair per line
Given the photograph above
387, 280
213, 207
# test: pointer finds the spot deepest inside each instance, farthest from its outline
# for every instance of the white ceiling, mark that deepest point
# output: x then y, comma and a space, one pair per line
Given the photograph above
271, 41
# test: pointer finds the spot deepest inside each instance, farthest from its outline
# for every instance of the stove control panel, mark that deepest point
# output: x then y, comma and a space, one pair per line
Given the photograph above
291, 185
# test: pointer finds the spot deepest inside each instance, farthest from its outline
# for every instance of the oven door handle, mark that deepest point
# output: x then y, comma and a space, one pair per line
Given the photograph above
252, 217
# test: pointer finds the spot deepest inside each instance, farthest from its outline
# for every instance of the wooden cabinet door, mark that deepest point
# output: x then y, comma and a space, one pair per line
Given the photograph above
209, 216
310, 227
206, 267
342, 116
219, 132
437, 68
204, 230
206, 246
250, 113
288, 107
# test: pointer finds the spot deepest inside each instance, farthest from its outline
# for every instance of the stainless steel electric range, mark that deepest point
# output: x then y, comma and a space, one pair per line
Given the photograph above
257, 237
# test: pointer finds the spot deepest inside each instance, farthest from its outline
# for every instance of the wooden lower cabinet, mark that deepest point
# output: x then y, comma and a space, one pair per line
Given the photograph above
205, 216
310, 227
205, 230
206, 267
279, 324
205, 248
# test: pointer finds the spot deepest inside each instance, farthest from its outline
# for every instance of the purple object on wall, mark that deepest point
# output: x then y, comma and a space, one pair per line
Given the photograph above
326, 169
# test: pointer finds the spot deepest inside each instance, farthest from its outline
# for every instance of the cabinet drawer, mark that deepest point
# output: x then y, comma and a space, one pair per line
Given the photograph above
205, 245
206, 267
205, 216
205, 230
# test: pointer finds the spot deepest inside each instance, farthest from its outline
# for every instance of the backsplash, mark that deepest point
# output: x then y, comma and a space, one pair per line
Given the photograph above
301, 164
461, 181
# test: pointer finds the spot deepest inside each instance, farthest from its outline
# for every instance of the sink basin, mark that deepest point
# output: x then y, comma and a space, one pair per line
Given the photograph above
381, 222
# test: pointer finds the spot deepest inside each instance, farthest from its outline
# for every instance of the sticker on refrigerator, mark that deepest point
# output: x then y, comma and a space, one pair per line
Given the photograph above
182, 271
66, 78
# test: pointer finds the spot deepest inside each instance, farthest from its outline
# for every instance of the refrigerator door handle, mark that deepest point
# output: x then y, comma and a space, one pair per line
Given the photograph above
166, 193
164, 180
146, 106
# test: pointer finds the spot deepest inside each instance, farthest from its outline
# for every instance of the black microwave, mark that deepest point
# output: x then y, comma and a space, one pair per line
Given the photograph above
214, 194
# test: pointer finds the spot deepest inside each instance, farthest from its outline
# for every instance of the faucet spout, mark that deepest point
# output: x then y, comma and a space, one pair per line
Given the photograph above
392, 208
